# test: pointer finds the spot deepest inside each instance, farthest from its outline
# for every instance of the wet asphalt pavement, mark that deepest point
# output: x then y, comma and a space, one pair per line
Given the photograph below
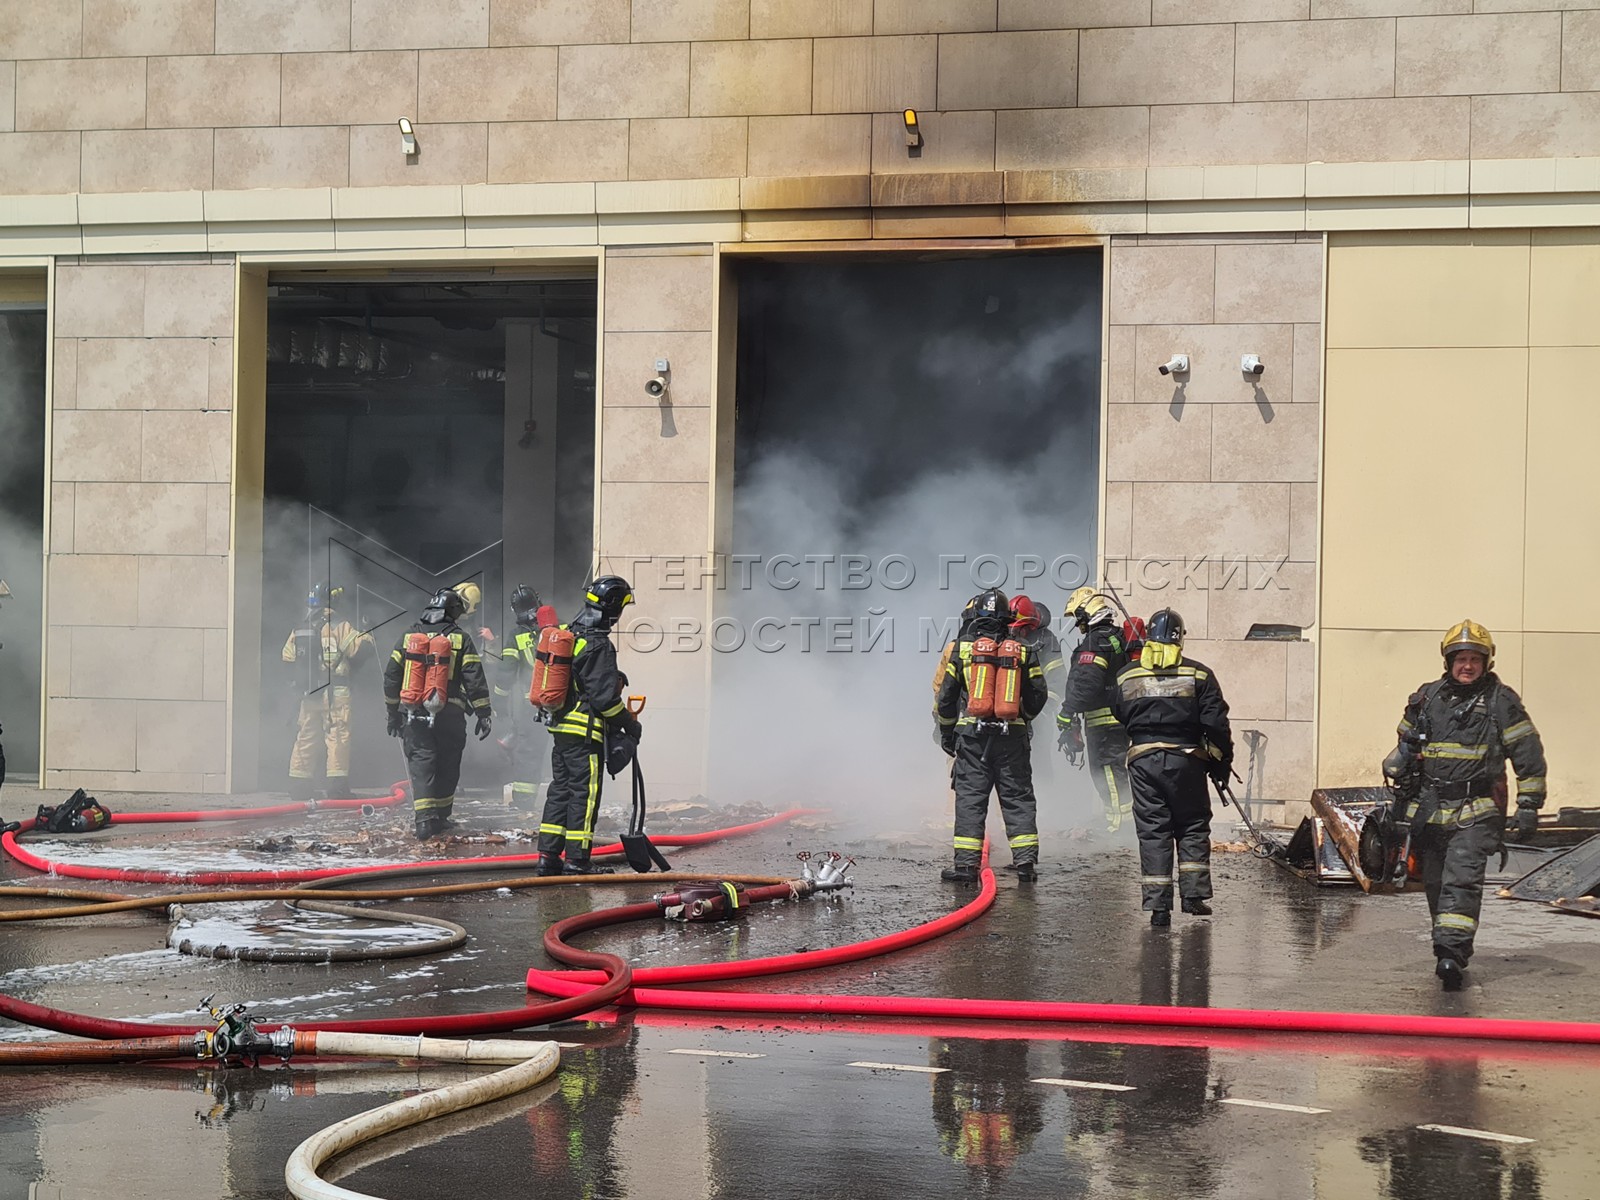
674, 1105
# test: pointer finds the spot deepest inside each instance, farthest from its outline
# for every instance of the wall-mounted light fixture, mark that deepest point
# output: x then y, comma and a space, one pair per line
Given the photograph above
408, 138
913, 129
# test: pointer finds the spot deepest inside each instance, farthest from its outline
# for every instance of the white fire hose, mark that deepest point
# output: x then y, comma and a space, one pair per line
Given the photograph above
535, 1062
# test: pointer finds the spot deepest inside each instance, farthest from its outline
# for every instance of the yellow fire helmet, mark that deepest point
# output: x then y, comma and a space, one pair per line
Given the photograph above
1468, 635
1086, 605
472, 594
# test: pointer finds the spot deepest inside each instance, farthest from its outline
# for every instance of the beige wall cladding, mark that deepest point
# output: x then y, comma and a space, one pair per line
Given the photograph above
1303, 526
1554, 666
1183, 135
558, 22
1265, 442
1135, 66
8, 96
1404, 130
1553, 126
1214, 376
194, 300
99, 667
664, 444
876, 74
512, 84
624, 81
282, 158
182, 735
932, 16
447, 154
1072, 14
1562, 483
40, 164
94, 735
952, 141
671, 293
654, 518
81, 94
558, 151
687, 148
1580, 52
1254, 677
282, 26
1147, 585
756, 78
44, 29
186, 447
1144, 442
1307, 364
89, 589
97, 446
817, 18
1265, 590
1118, 512
1166, 284
113, 28
1459, 56
1397, 290
99, 302
822, 145
1270, 282
208, 91
186, 591
690, 20
1009, 70
366, 88
630, 361
1214, 12
140, 372
1174, 520
140, 518
146, 160
1080, 137
1321, 9
1565, 282
418, 24
1315, 60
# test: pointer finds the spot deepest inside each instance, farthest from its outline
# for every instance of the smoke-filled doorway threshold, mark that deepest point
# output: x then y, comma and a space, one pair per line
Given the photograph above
906, 433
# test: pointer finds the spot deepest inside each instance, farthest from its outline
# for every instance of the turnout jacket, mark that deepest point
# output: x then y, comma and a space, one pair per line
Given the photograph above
949, 706
469, 689
1046, 647
595, 695
1173, 708
342, 644
515, 673
1092, 677
1465, 735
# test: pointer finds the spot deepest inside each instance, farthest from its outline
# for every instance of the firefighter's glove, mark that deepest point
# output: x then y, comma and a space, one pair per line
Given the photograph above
397, 723
1523, 822
1071, 743
484, 725
947, 742
631, 726
1220, 773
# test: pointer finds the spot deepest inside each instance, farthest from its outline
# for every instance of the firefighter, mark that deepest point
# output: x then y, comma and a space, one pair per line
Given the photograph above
528, 741
1030, 625
434, 742
578, 733
325, 649
1177, 728
991, 753
1455, 736
472, 594
1087, 726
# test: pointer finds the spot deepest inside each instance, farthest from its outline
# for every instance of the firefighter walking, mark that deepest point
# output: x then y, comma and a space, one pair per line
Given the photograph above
1177, 726
1456, 734
578, 725
992, 689
434, 677
529, 742
324, 649
1088, 728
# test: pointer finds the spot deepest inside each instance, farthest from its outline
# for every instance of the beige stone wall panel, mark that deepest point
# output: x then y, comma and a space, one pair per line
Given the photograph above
369, 87
558, 151
1554, 668
1174, 520
817, 18
1254, 677
1461, 56
185, 591
973, 221
1144, 589
1167, 284
807, 225
84, 93
100, 670
1323, 9
1135, 66
1121, 363
1564, 286
670, 294
1145, 442
1184, 135
89, 589
93, 735
1307, 364
664, 444
1552, 126
874, 74
1301, 693
690, 20
1214, 376
1029, 139
282, 158
1404, 130
515, 83
282, 26
1562, 486
8, 97
1072, 14
1118, 513
932, 190
1504, 6
43, 29
932, 16
1580, 52
654, 518
1009, 70
64, 385
558, 22
1280, 282
1304, 529
449, 154
624, 81
213, 91
768, 78
99, 302
818, 145
418, 24
141, 518
147, 160
630, 361
1285, 768
182, 735
1218, 12
1316, 60
188, 301
794, 193
142, 373
96, 446
186, 447
1074, 187
118, 28
40, 164
1267, 441
687, 148
1269, 594
952, 141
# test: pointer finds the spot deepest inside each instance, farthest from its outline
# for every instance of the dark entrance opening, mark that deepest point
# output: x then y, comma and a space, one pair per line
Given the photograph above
22, 416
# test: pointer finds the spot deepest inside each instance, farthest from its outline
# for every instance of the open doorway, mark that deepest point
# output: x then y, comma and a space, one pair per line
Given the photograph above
22, 416
419, 435
906, 433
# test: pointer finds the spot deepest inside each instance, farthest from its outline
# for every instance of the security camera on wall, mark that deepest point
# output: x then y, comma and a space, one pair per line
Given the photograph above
1252, 366
1178, 364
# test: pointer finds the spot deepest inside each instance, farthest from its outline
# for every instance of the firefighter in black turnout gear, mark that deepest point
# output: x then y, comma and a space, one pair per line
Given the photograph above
578, 733
1178, 734
1091, 680
528, 742
1450, 785
983, 710
434, 735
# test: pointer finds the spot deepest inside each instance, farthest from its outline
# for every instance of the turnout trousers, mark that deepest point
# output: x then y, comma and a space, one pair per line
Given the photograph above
530, 747
324, 724
573, 801
1454, 859
1107, 751
1000, 763
433, 760
1171, 808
